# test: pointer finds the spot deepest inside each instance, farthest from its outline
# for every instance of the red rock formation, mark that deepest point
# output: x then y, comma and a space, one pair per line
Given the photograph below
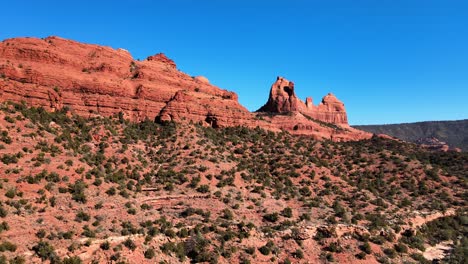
94, 80
161, 57
283, 99
91, 79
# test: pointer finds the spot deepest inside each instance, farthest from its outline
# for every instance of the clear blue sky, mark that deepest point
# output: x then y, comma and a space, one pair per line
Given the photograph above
390, 61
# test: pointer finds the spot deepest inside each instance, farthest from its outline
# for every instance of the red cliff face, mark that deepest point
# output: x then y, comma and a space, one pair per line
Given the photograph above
283, 100
91, 79
95, 80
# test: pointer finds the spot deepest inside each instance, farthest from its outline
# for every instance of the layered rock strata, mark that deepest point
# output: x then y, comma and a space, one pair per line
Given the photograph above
283, 100
93, 80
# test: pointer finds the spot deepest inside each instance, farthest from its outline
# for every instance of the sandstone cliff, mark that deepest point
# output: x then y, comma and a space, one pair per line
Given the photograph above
91, 79
283, 99
94, 80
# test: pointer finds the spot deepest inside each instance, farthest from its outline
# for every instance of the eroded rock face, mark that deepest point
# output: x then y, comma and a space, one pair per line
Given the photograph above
283, 99
91, 79
94, 80
161, 57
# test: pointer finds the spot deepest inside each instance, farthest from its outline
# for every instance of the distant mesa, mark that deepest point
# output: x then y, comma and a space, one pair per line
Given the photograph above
437, 135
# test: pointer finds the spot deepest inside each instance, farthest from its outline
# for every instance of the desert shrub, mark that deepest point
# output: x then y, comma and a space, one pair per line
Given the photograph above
77, 191
413, 240
130, 244
286, 212
360, 255
105, 245
305, 191
145, 206
268, 248
150, 253
227, 214
87, 232
390, 252
178, 249
366, 248
305, 216
111, 191
264, 250
67, 235
17, 260
11, 193
41, 233
82, 216
420, 258
4, 226
10, 158
44, 250
3, 211
72, 260
9, 119
376, 221
7, 246
401, 248
273, 217
4, 137
298, 254
196, 249
203, 188
98, 205
334, 247
250, 250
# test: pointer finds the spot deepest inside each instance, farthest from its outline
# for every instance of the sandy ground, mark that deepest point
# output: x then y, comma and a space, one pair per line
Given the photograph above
438, 251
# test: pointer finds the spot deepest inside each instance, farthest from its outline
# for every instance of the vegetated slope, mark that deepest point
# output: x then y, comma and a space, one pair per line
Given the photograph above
454, 133
105, 189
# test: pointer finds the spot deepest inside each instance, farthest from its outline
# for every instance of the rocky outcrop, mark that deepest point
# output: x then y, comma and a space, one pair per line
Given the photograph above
435, 144
161, 57
187, 105
283, 100
90, 80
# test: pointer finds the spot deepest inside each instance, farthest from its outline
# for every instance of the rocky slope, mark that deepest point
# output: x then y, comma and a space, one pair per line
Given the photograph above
92, 80
108, 190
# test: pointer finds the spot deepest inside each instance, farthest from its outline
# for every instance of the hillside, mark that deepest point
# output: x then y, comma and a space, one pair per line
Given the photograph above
454, 133
111, 190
